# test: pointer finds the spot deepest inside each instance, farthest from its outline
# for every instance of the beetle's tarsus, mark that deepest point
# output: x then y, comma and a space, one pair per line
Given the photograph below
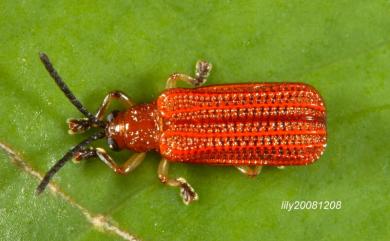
83, 154
202, 71
187, 192
77, 126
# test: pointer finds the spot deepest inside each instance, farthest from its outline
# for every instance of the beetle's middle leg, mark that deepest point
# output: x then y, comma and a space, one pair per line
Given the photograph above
125, 168
202, 71
250, 170
186, 191
80, 125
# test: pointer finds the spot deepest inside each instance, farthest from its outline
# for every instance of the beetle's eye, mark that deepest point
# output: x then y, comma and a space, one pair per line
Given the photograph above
112, 144
112, 115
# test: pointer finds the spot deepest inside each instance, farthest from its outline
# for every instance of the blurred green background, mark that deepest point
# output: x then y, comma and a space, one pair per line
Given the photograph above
340, 47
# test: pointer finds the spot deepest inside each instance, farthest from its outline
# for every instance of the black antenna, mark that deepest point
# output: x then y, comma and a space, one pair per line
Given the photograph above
60, 163
54, 74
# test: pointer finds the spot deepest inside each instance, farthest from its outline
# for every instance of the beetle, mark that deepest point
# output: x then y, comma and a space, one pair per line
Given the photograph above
243, 125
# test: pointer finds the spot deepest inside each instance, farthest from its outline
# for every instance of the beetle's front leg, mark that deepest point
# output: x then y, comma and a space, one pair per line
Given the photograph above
113, 95
80, 125
127, 167
84, 154
202, 71
186, 191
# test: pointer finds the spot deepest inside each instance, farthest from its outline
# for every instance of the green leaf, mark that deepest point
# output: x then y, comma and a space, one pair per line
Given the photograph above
340, 47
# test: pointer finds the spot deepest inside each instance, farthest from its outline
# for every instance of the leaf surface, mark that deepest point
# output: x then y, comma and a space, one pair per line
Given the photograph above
340, 47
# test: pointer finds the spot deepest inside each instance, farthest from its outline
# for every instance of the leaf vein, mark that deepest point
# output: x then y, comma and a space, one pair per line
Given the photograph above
98, 221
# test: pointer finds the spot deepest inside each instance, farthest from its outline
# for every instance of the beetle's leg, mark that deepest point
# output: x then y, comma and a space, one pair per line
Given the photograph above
127, 167
83, 154
81, 125
117, 95
249, 170
172, 80
186, 191
202, 71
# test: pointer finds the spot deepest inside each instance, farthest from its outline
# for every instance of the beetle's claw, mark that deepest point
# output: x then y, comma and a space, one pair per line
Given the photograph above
187, 192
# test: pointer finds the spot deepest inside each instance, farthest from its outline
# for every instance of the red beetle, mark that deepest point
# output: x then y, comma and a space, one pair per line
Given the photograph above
243, 125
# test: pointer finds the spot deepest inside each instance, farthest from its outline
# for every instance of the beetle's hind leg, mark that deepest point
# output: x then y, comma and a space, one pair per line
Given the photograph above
202, 71
186, 191
251, 171
127, 167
